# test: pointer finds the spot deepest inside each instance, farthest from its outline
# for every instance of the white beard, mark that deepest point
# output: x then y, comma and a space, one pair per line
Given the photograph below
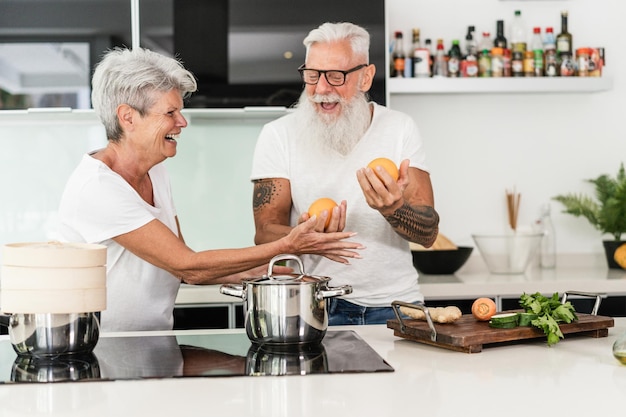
340, 133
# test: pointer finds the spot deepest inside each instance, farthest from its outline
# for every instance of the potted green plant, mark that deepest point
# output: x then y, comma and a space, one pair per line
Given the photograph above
607, 212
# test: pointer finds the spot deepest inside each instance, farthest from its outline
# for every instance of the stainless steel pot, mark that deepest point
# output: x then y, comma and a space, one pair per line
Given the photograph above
285, 309
46, 335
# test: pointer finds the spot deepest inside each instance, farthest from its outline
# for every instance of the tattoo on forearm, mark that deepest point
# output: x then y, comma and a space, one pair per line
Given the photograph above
418, 224
264, 190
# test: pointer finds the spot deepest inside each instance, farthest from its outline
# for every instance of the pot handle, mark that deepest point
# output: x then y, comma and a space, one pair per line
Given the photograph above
236, 290
5, 320
334, 292
284, 257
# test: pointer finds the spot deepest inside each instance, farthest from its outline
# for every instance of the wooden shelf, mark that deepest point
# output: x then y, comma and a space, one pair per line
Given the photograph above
499, 85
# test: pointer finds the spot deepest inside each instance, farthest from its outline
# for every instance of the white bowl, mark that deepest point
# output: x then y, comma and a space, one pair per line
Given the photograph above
510, 253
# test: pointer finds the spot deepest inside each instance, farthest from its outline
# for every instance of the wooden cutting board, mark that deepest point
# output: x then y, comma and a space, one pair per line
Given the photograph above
469, 335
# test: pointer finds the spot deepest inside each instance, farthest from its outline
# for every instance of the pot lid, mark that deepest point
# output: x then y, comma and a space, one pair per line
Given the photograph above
284, 279
291, 278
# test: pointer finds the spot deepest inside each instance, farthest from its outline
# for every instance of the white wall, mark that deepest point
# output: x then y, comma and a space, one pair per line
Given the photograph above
479, 145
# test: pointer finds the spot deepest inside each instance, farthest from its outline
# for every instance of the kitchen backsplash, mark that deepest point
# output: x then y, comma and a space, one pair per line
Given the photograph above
210, 174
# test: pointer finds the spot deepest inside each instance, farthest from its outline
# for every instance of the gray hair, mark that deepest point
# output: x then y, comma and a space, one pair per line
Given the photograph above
133, 76
334, 32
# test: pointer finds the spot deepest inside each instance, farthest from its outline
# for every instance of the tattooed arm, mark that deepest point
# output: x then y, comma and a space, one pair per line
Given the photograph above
271, 204
407, 205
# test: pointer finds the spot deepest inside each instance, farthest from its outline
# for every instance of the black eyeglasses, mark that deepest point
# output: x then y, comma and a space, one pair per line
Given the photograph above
335, 78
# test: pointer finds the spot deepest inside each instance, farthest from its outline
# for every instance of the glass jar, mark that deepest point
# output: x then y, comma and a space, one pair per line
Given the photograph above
582, 62
497, 62
619, 349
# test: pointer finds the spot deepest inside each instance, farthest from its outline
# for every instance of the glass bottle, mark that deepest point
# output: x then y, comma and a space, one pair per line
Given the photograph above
550, 63
485, 42
454, 59
517, 64
421, 57
497, 62
518, 33
536, 47
428, 44
548, 242
500, 39
619, 349
564, 39
484, 64
440, 66
397, 57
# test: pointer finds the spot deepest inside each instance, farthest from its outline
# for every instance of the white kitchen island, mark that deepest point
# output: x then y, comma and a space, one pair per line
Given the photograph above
577, 377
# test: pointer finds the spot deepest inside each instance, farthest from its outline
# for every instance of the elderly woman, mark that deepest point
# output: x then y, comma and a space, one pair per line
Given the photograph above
120, 196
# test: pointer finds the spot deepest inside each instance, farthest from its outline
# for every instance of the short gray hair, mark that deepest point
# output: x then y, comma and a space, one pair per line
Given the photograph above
132, 76
334, 32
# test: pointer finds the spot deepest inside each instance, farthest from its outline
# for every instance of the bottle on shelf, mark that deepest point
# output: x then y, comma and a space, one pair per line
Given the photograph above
529, 64
500, 39
517, 64
507, 61
440, 65
536, 48
428, 44
454, 59
485, 42
397, 56
545, 226
550, 64
484, 64
497, 62
471, 45
564, 39
518, 33
420, 57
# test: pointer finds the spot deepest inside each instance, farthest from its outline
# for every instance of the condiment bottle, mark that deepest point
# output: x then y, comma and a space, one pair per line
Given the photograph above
551, 68
484, 64
397, 57
529, 64
440, 66
497, 62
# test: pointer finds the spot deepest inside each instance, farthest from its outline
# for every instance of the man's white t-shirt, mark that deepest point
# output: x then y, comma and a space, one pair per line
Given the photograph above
385, 273
97, 205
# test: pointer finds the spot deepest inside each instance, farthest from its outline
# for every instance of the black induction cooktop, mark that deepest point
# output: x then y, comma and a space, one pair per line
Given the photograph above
180, 356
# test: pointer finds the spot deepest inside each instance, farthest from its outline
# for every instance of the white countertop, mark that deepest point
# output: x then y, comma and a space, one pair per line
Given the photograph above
576, 377
587, 273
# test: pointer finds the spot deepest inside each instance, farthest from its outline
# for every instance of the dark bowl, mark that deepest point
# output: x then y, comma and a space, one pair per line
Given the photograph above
441, 262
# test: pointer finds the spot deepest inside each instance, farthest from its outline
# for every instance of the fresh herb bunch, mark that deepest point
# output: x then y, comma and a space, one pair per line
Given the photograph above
551, 312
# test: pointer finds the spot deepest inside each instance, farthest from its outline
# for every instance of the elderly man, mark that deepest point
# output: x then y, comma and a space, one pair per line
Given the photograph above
315, 152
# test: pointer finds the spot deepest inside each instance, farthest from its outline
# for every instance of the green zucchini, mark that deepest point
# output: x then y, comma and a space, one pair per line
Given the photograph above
504, 321
525, 319
504, 325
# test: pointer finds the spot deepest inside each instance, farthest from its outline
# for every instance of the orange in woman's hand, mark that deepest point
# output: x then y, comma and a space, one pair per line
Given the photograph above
320, 205
387, 164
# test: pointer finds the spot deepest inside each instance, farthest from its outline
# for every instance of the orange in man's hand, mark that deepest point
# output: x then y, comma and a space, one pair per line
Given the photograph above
320, 205
387, 164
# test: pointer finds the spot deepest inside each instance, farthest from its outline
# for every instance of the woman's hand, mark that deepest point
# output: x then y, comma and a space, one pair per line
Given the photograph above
308, 237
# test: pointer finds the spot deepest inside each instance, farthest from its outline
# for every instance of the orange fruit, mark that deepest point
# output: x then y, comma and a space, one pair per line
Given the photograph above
483, 308
320, 205
620, 256
387, 164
